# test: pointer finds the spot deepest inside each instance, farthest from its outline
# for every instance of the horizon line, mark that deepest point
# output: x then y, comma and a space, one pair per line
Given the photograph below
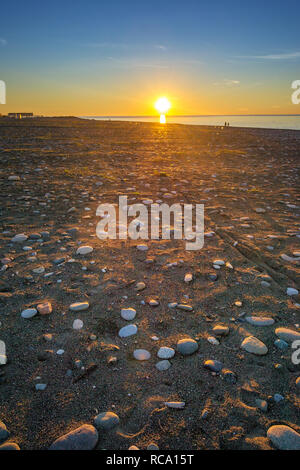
179, 115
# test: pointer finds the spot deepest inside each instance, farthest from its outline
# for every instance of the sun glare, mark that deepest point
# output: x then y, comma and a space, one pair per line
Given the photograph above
162, 105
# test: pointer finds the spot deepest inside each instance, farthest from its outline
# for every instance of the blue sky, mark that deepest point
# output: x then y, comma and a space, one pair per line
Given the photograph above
94, 57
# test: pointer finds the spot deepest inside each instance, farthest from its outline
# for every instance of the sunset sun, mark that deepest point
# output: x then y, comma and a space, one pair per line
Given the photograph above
162, 105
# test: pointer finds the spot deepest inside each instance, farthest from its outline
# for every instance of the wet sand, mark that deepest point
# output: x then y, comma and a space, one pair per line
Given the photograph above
248, 180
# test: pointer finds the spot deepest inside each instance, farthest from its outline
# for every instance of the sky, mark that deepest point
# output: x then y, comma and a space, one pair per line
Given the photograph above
96, 57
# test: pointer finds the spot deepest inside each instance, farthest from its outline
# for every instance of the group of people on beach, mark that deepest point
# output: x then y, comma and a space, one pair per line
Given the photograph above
226, 124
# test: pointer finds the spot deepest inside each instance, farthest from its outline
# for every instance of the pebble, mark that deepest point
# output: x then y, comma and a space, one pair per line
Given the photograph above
166, 353
84, 250
128, 330
175, 404
298, 382
260, 321
44, 308
29, 313
219, 262
78, 306
153, 303
283, 437
287, 335
83, 438
292, 291
187, 346
40, 386
142, 247
212, 365
133, 448
141, 355
213, 340
229, 376
21, 237
188, 278
128, 313
39, 270
77, 324
140, 286
213, 277
152, 446
254, 345
3, 357
163, 365
281, 344
106, 420
220, 330
261, 404
187, 308
278, 397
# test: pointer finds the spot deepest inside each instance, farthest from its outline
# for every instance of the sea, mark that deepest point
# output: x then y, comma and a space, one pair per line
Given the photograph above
291, 121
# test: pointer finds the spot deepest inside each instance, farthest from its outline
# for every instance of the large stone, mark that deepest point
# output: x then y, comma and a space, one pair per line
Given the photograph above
4, 434
254, 345
83, 438
287, 335
284, 438
45, 308
9, 446
106, 420
163, 365
20, 238
187, 346
212, 365
220, 330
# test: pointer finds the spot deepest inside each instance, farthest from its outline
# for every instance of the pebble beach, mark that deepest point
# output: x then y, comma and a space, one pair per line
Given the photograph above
142, 344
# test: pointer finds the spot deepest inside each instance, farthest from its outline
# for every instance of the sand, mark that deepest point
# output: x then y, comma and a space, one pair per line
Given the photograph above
67, 165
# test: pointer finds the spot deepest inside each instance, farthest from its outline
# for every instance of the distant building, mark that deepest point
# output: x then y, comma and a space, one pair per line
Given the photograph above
19, 115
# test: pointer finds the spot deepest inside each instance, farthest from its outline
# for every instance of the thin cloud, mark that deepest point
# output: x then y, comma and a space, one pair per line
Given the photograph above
228, 82
3, 42
283, 56
137, 64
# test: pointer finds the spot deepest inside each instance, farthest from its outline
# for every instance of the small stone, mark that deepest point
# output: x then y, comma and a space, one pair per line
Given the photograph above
261, 404
187, 346
77, 324
254, 346
298, 383
128, 313
142, 247
152, 446
287, 334
175, 404
283, 437
83, 438
166, 353
141, 355
187, 308
14, 178
278, 398
28, 313
84, 250
260, 321
292, 291
3, 357
45, 308
133, 448
163, 365
219, 262
20, 238
39, 270
220, 330
78, 306
106, 420
213, 340
128, 330
214, 366
153, 302
40, 386
280, 344
140, 286
213, 277
188, 278
238, 303
229, 376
